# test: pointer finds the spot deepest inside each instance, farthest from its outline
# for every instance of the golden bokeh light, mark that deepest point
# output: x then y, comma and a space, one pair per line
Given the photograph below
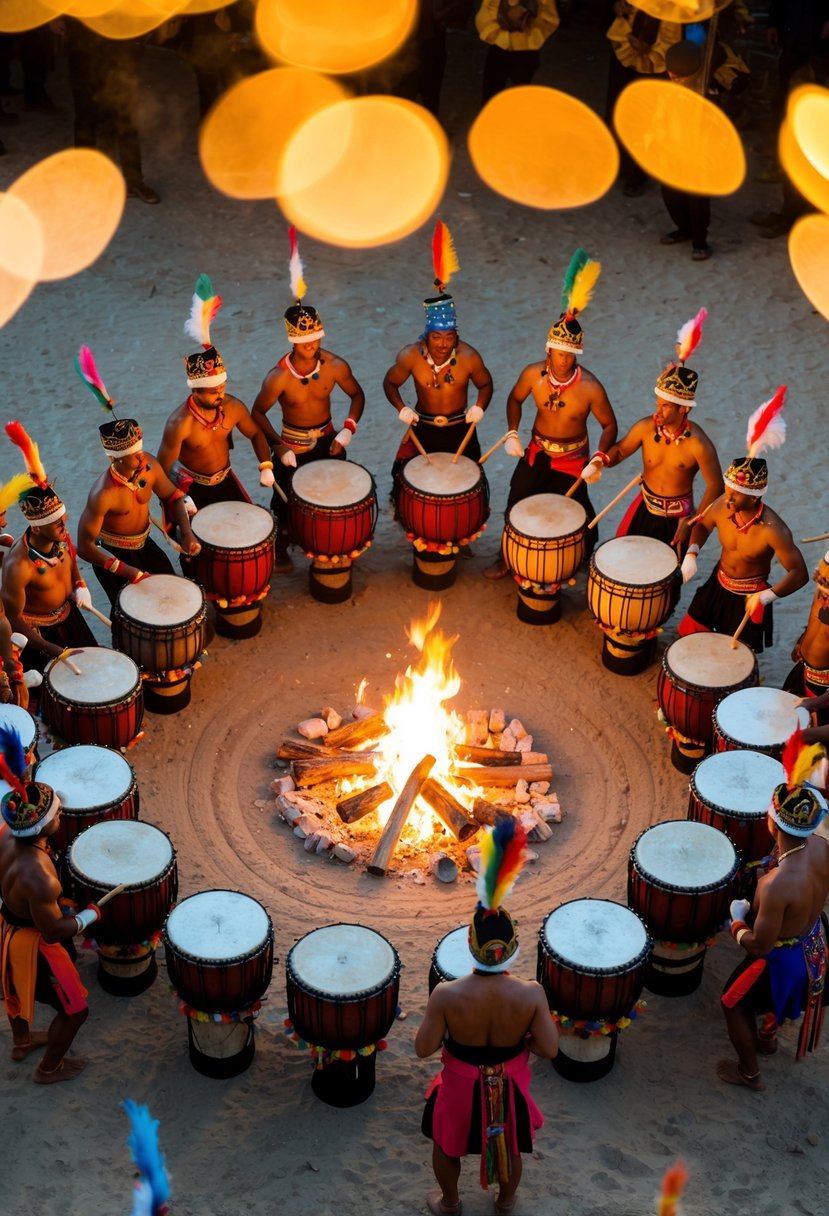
133, 18
243, 138
684, 11
19, 15
808, 113
805, 177
386, 162
21, 254
78, 196
680, 138
334, 35
517, 145
809, 256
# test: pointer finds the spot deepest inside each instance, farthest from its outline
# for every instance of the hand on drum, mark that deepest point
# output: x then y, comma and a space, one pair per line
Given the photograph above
514, 447
341, 441
407, 416
63, 656
82, 597
473, 414
739, 909
190, 545
756, 603
689, 566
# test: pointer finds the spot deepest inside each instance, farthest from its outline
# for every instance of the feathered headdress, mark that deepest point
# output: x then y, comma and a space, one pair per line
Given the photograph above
13, 760
444, 258
295, 267
502, 859
689, 335
13, 490
673, 1184
799, 759
88, 372
30, 454
203, 309
767, 426
152, 1191
579, 281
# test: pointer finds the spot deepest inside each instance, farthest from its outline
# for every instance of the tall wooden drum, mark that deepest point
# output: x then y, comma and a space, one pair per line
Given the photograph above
543, 545
632, 589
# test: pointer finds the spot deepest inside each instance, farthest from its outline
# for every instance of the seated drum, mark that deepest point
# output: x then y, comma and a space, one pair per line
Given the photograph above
94, 784
219, 950
332, 513
160, 623
543, 545
732, 791
592, 955
697, 672
343, 983
632, 589
442, 504
235, 564
758, 719
681, 880
451, 959
103, 705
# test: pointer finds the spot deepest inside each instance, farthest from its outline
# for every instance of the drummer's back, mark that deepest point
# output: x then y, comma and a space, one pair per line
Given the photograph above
488, 1010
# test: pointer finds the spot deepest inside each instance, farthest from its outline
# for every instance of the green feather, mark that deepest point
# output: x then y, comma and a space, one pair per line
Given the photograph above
578, 260
204, 288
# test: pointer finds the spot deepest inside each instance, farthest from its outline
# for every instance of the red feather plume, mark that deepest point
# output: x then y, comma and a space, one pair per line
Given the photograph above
29, 451
766, 427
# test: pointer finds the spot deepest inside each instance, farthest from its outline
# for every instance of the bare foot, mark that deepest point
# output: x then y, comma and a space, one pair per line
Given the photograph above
38, 1038
435, 1204
502, 1208
67, 1070
498, 569
728, 1071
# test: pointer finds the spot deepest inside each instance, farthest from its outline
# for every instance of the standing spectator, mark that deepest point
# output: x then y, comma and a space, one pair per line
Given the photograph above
515, 33
691, 213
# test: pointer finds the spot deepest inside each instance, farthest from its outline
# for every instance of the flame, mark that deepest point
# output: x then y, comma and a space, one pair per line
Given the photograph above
361, 692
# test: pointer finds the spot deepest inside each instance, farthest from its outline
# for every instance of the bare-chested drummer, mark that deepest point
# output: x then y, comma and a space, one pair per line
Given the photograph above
195, 448
302, 382
114, 528
674, 449
809, 678
565, 394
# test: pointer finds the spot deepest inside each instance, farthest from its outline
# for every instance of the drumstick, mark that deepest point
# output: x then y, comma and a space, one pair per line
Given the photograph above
808, 540
574, 487
280, 491
464, 441
64, 658
633, 482
172, 543
103, 619
740, 629
411, 435
483, 459
99, 903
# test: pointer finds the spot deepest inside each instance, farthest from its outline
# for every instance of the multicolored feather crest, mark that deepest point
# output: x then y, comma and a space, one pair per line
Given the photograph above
13, 760
800, 759
689, 335
88, 372
579, 281
203, 309
298, 284
143, 1142
444, 258
29, 451
502, 859
14, 490
767, 426
673, 1184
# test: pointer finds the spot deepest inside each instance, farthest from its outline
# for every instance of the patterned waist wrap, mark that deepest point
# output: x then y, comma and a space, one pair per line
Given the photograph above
559, 447
43, 620
304, 437
659, 504
816, 675
201, 479
118, 541
442, 419
741, 586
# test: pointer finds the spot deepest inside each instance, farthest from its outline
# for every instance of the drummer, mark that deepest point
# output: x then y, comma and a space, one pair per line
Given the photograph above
674, 449
302, 382
809, 677
114, 528
564, 394
195, 448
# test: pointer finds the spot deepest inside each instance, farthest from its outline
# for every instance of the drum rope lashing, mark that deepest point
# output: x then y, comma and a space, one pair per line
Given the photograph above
323, 1056
224, 1018
132, 950
600, 1026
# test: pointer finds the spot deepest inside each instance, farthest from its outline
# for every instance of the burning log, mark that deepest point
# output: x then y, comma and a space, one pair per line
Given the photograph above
354, 808
391, 832
485, 755
505, 774
302, 749
354, 734
315, 770
487, 813
449, 810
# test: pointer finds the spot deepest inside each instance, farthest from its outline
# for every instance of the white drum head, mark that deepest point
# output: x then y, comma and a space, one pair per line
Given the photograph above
547, 516
710, 660
218, 925
162, 599
685, 854
120, 850
232, 525
635, 561
596, 934
19, 719
738, 781
107, 677
332, 483
440, 475
452, 955
343, 960
760, 717
86, 776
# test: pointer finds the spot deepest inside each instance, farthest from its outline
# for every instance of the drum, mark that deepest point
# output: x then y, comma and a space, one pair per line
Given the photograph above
592, 955
19, 719
758, 719
94, 784
142, 857
160, 623
732, 791
442, 504
681, 880
451, 959
543, 545
332, 513
104, 705
219, 950
697, 672
632, 589
343, 983
235, 564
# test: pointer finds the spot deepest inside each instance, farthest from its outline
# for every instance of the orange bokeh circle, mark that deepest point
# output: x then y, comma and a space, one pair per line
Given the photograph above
808, 115
334, 35
21, 254
809, 256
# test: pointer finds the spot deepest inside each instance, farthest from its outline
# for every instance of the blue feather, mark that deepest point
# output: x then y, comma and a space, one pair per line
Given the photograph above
143, 1142
13, 751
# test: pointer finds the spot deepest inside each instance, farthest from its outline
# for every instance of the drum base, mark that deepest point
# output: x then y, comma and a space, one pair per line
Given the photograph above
129, 977
330, 584
587, 1059
672, 972
345, 1082
167, 698
433, 571
221, 1049
684, 758
624, 660
534, 609
242, 622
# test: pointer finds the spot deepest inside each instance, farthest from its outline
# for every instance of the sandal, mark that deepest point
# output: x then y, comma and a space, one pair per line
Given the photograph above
674, 238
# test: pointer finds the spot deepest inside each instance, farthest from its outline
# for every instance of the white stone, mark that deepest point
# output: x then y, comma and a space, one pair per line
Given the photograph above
473, 856
524, 744
550, 812
507, 742
331, 717
283, 785
515, 728
477, 727
311, 842
535, 758
344, 852
522, 791
313, 728
497, 721
442, 867
325, 841
539, 787
361, 711
289, 813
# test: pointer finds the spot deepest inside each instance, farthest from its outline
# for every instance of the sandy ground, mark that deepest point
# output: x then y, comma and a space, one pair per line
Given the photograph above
262, 1142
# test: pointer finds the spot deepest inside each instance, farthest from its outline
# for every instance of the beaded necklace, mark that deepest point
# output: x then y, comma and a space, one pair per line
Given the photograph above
661, 434
315, 374
755, 519
36, 556
438, 367
199, 416
132, 486
557, 387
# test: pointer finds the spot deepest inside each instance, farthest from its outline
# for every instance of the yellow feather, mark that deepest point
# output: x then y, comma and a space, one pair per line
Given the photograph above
583, 285
802, 768
11, 491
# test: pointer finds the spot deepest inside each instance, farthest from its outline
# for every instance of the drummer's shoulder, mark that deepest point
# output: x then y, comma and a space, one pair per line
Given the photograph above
588, 377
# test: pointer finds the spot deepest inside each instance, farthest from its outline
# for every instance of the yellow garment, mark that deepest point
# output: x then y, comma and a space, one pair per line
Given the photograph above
650, 60
732, 66
18, 969
534, 34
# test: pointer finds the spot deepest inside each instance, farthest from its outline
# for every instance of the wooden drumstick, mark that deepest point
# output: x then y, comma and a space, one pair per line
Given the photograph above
99, 903
808, 540
73, 667
103, 619
469, 433
574, 487
172, 543
633, 482
483, 459
740, 629
411, 435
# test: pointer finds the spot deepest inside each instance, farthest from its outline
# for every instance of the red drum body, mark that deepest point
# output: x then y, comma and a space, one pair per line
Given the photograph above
632, 589
143, 857
451, 959
681, 880
104, 705
235, 564
592, 955
697, 673
759, 720
343, 983
543, 545
732, 791
94, 785
219, 950
442, 504
332, 513
160, 623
